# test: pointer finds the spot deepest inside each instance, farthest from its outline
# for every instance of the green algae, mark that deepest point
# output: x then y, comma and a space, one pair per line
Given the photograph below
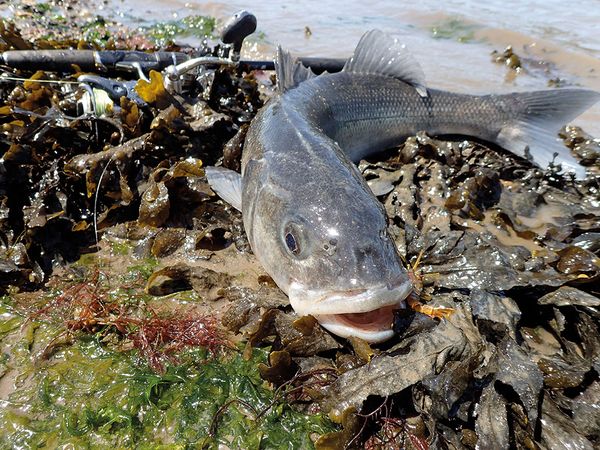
137, 269
89, 395
164, 33
144, 268
120, 248
455, 29
56, 25
64, 382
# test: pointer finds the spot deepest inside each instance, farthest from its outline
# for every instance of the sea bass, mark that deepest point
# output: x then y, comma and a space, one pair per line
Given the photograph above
310, 217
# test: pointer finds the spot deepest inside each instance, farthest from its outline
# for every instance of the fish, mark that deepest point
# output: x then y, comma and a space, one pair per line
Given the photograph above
310, 217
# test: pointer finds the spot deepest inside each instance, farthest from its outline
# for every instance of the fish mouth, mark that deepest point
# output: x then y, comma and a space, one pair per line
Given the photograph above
364, 313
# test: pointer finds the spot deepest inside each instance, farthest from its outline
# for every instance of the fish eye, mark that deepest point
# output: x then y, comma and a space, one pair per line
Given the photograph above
292, 244
293, 238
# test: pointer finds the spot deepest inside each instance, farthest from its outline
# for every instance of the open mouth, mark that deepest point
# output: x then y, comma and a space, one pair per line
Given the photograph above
364, 313
372, 326
371, 320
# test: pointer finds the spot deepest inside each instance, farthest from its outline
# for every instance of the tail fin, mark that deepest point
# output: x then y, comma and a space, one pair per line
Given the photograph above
533, 132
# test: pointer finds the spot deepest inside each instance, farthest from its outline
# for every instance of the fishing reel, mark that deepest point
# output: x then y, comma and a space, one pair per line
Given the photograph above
236, 29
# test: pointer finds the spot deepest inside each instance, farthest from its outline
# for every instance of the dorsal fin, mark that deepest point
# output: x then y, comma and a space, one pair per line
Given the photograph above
379, 53
290, 72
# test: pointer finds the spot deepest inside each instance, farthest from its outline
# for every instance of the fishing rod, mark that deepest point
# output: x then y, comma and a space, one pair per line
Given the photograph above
124, 60
177, 66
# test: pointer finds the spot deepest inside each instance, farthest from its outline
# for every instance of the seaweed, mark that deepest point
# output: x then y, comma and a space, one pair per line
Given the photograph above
162, 329
88, 394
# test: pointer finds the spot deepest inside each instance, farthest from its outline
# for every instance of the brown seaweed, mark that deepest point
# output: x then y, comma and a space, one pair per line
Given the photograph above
513, 249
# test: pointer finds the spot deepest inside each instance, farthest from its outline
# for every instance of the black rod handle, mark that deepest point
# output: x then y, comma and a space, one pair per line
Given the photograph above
87, 60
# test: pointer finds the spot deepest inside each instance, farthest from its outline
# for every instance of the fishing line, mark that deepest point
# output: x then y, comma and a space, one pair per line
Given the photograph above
96, 194
95, 213
9, 78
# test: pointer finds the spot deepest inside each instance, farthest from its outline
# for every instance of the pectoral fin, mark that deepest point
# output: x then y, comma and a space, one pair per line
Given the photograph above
227, 184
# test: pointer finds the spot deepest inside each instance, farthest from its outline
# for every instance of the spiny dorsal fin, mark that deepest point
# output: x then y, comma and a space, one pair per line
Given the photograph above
379, 53
290, 73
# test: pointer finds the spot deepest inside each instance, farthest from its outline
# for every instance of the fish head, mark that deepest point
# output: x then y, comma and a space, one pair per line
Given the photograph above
326, 244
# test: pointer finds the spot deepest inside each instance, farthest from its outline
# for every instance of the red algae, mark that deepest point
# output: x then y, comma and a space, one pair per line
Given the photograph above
159, 339
87, 307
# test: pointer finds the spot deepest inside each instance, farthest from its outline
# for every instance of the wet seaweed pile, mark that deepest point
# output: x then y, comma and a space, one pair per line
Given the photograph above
63, 170
513, 250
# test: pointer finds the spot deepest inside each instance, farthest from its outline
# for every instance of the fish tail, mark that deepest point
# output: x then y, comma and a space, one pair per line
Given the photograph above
532, 131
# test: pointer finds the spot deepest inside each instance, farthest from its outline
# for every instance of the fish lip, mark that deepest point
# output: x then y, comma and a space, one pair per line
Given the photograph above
322, 302
339, 328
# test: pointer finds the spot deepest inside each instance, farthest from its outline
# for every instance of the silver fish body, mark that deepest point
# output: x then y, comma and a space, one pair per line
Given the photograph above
311, 218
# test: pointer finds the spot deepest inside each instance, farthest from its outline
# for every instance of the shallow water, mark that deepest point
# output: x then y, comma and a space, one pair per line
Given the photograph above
452, 40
